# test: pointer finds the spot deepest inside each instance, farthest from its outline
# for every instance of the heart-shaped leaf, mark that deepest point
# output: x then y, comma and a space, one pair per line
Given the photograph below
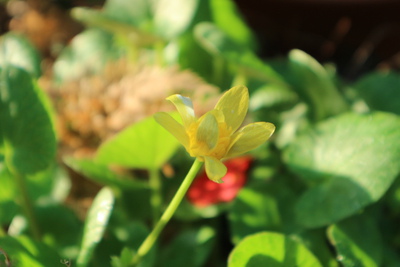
353, 159
357, 242
272, 250
144, 145
27, 137
381, 91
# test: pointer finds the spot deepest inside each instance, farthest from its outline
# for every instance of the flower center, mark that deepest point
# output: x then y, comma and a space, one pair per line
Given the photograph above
200, 149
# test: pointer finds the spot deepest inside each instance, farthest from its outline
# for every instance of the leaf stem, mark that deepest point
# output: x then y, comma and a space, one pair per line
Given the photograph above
2, 232
155, 199
239, 79
168, 213
26, 203
218, 70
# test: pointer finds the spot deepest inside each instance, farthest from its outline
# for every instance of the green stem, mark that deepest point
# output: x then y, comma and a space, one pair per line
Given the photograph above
26, 204
155, 200
168, 213
218, 68
2, 232
239, 79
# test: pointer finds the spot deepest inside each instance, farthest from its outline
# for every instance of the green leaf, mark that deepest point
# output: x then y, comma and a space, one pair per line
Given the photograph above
265, 204
62, 227
23, 251
173, 17
314, 84
189, 249
135, 13
352, 159
381, 91
16, 50
272, 250
270, 95
95, 224
133, 234
317, 242
88, 53
144, 145
227, 17
125, 30
27, 137
219, 44
130, 190
102, 174
254, 210
357, 242
124, 260
192, 56
8, 194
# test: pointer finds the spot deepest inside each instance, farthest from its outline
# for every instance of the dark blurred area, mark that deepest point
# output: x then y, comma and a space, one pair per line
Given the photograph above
356, 35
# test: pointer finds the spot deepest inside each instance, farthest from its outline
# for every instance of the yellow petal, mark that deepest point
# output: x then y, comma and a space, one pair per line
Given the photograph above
215, 169
185, 108
207, 131
250, 137
172, 126
234, 105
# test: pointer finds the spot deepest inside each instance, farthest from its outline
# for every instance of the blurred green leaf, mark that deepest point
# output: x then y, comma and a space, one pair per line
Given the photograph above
124, 260
41, 184
381, 91
136, 13
8, 194
95, 224
317, 242
88, 53
189, 249
127, 31
391, 257
130, 190
264, 204
227, 17
62, 228
29, 145
219, 44
254, 210
192, 56
357, 242
132, 234
314, 84
16, 50
272, 250
173, 17
270, 95
23, 251
102, 174
144, 145
353, 159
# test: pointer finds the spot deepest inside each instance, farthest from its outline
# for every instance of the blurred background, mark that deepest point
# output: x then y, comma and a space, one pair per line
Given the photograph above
357, 35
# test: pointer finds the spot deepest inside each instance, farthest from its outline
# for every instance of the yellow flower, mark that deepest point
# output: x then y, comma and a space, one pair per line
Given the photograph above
215, 135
